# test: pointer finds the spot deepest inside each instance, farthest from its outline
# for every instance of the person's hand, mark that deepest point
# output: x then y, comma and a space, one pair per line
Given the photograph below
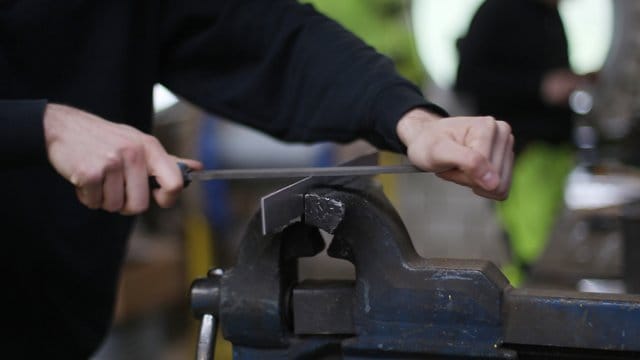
476, 152
110, 163
558, 85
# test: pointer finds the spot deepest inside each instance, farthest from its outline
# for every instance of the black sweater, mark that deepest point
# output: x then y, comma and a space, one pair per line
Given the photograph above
509, 47
272, 64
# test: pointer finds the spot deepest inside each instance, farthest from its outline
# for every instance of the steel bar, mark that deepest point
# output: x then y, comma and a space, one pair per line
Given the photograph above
283, 173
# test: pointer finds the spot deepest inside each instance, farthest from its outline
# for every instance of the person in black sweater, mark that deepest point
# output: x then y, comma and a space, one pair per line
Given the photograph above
76, 106
514, 64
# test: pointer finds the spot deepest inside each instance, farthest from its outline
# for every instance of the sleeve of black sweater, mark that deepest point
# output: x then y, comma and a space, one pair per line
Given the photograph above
285, 69
22, 135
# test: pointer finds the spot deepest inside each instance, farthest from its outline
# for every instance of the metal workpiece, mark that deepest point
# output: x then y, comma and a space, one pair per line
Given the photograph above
285, 206
323, 212
399, 305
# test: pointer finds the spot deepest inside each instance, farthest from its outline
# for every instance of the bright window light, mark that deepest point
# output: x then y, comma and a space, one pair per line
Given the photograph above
162, 98
438, 24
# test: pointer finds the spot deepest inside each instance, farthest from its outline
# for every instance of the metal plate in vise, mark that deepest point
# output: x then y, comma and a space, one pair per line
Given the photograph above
285, 206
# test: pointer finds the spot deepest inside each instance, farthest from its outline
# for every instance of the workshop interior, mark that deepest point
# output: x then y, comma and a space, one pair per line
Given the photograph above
401, 266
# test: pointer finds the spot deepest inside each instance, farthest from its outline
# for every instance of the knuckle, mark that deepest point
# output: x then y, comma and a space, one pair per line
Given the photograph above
133, 153
87, 175
491, 124
112, 162
481, 129
488, 121
129, 133
504, 127
151, 140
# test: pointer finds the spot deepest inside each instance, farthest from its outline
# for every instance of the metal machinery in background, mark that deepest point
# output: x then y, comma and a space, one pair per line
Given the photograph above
593, 242
617, 94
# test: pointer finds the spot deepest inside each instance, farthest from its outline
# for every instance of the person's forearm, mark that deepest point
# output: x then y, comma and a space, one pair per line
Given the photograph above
22, 136
285, 69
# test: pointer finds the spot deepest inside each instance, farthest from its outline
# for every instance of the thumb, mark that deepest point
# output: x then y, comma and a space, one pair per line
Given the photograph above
191, 164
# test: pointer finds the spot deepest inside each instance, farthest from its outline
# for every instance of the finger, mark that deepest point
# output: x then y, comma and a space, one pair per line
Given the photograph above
500, 144
487, 194
507, 171
481, 135
164, 168
137, 184
456, 176
113, 190
90, 195
460, 178
502, 192
192, 164
476, 167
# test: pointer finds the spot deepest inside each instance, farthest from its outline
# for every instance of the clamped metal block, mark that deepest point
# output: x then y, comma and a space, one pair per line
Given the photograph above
400, 305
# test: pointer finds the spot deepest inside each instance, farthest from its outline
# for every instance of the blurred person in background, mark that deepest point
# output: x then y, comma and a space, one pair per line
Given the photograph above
76, 107
514, 65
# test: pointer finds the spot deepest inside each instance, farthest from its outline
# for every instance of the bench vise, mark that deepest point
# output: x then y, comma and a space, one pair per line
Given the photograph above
399, 306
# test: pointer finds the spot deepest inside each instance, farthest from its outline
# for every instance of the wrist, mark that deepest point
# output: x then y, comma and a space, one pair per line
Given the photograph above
412, 123
53, 113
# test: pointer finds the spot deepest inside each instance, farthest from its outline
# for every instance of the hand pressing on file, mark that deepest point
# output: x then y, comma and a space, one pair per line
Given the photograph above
476, 152
110, 163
